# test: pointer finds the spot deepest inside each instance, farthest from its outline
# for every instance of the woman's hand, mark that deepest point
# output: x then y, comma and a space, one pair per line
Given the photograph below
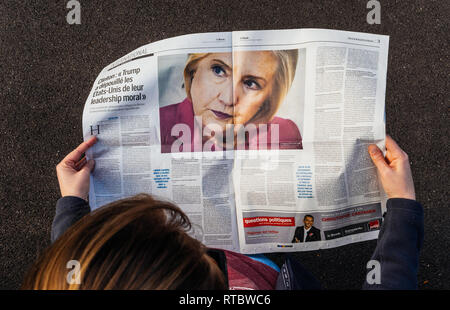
394, 170
73, 171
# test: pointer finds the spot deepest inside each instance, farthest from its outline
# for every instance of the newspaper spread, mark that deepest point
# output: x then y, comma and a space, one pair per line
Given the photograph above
259, 136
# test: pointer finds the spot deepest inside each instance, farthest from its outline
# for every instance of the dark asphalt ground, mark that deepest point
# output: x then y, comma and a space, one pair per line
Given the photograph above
47, 68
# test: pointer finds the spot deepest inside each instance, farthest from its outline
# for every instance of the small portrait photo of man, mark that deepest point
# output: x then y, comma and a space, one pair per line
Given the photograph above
307, 232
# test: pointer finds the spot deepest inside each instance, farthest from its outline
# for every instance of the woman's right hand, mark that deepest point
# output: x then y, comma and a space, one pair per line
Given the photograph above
394, 170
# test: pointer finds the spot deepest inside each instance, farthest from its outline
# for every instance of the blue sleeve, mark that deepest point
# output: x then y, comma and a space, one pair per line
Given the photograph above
69, 210
399, 244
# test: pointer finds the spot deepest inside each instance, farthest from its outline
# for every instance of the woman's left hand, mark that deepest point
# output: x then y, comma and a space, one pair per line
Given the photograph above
73, 171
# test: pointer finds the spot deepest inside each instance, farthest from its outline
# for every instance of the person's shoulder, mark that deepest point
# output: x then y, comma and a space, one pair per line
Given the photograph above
315, 228
171, 113
286, 126
169, 109
168, 116
289, 133
282, 121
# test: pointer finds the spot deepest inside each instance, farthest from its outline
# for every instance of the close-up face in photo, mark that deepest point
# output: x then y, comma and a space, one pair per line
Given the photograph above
212, 89
308, 221
253, 81
232, 91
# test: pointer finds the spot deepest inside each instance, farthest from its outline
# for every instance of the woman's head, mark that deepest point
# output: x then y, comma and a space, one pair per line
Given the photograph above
135, 243
208, 81
239, 88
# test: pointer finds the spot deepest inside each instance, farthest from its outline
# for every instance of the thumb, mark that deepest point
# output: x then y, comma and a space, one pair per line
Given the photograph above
377, 157
89, 167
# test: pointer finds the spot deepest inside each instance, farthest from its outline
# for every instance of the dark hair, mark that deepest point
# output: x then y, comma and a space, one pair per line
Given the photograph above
308, 215
134, 243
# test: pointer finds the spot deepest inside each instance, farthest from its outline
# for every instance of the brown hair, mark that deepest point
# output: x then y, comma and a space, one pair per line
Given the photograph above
189, 70
134, 243
287, 64
284, 76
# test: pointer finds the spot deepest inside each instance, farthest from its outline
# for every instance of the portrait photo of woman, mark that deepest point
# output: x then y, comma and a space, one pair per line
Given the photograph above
233, 98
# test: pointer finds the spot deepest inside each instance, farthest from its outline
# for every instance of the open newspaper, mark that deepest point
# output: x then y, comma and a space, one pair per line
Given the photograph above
259, 136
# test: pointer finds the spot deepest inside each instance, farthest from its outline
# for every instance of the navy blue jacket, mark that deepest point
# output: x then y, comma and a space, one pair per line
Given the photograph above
399, 244
397, 250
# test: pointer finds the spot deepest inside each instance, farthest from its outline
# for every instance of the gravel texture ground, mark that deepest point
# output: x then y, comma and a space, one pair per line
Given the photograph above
47, 69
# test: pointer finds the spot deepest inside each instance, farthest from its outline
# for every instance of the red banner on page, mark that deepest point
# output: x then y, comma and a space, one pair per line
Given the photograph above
268, 221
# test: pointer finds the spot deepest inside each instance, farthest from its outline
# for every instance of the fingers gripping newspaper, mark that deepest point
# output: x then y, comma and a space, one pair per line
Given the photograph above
259, 136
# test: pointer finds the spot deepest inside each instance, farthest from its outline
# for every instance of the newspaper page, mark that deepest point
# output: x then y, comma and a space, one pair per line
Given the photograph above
255, 135
322, 191
130, 110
